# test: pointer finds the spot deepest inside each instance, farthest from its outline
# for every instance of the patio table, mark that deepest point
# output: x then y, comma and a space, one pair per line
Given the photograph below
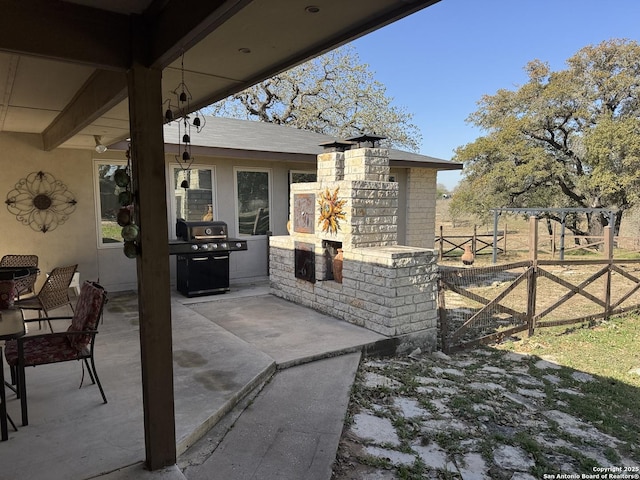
12, 273
11, 326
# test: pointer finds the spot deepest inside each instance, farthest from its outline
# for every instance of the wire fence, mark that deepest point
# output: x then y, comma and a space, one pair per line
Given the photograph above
486, 304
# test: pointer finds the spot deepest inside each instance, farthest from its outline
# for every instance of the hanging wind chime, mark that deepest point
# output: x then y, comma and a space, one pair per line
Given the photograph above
182, 109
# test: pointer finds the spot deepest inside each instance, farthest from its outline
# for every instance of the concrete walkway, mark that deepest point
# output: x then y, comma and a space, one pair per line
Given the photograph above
290, 431
226, 348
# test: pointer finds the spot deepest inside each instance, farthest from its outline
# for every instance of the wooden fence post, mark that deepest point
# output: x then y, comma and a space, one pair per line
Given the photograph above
562, 236
473, 240
608, 251
608, 242
532, 278
442, 315
533, 239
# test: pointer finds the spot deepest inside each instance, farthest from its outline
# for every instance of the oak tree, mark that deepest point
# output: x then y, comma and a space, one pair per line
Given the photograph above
568, 138
333, 94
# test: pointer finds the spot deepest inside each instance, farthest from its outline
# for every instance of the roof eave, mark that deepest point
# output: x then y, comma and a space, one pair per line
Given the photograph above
434, 165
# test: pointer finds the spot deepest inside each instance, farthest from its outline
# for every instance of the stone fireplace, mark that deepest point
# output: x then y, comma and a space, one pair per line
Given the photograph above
388, 288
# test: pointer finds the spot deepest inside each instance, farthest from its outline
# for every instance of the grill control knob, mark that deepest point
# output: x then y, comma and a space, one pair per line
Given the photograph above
204, 246
214, 245
238, 245
223, 245
194, 247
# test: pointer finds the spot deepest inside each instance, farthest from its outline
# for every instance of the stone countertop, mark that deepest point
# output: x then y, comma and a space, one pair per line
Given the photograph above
391, 251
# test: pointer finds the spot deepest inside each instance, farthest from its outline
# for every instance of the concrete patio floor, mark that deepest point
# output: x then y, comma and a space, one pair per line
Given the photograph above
225, 346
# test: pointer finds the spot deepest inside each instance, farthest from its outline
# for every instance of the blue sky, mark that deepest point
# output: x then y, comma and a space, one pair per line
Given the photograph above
438, 63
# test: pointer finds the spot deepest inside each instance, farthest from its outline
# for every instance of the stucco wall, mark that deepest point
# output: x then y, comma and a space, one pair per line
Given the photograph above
76, 240
69, 243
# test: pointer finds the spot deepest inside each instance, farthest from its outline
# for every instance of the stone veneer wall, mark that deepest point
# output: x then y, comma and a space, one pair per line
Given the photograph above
389, 290
372, 214
421, 207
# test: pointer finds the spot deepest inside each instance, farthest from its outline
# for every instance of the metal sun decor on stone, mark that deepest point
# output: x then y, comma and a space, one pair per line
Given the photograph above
331, 211
41, 201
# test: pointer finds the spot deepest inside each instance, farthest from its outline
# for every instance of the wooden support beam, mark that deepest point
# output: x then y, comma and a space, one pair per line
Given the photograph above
85, 35
154, 297
101, 92
66, 31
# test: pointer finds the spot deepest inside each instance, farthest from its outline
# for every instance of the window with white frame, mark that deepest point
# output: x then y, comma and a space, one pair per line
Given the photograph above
107, 204
197, 202
253, 200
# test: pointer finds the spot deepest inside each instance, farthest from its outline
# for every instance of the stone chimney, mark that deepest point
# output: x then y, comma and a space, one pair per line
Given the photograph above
331, 161
366, 163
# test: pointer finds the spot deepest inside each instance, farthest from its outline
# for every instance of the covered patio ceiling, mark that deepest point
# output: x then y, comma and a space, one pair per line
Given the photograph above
63, 64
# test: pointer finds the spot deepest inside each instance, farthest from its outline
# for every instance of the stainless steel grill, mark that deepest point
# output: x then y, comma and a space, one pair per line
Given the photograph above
202, 257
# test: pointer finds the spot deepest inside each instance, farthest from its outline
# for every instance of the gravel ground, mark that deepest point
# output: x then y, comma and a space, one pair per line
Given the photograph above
480, 414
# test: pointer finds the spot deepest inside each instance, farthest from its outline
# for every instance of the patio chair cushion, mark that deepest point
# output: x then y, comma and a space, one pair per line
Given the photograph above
44, 349
86, 315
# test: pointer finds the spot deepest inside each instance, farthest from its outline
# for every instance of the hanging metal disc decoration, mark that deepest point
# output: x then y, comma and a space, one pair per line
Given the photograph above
41, 201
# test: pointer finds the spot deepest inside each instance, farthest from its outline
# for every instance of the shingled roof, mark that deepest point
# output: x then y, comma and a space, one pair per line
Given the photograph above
234, 138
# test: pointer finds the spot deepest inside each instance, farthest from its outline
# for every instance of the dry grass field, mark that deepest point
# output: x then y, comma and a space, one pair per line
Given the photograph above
516, 229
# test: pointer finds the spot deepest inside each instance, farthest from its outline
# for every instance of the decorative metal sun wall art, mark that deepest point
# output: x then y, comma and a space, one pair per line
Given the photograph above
331, 212
41, 201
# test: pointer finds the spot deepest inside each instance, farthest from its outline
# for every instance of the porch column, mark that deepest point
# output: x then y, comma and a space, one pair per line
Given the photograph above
154, 304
